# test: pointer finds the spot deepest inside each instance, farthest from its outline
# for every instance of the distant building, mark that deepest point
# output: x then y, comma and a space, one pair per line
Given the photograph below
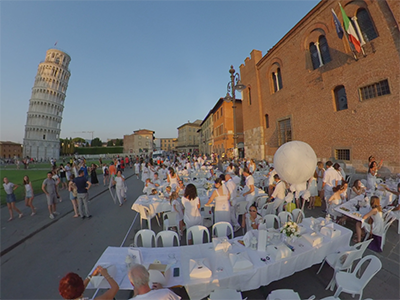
188, 137
140, 142
43, 123
168, 144
207, 134
311, 87
10, 149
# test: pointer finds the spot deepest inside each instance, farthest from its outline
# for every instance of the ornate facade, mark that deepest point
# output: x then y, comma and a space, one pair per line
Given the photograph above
43, 124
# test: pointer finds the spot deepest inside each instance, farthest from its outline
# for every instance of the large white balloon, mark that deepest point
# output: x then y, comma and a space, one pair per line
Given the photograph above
295, 162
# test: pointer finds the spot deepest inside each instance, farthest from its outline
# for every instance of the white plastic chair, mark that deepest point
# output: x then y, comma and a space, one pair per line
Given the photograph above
222, 229
349, 283
147, 236
389, 220
267, 209
261, 200
241, 209
270, 221
197, 233
207, 215
298, 215
169, 220
225, 294
344, 261
285, 216
167, 238
145, 214
283, 294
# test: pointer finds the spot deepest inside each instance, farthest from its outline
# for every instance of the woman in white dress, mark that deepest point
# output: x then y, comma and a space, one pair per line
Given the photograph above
177, 207
357, 189
377, 217
251, 219
145, 173
336, 199
221, 197
313, 189
191, 207
137, 169
172, 179
119, 182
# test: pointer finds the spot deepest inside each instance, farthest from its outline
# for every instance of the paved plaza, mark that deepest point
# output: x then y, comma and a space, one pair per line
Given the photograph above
37, 251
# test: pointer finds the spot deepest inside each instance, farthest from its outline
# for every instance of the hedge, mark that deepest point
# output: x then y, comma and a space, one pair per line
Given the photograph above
99, 150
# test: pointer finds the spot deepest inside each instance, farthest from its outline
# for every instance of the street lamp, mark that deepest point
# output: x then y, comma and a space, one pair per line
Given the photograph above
234, 85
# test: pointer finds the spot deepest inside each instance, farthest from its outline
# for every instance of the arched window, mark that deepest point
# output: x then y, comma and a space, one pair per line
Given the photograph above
314, 56
319, 52
340, 98
324, 48
366, 25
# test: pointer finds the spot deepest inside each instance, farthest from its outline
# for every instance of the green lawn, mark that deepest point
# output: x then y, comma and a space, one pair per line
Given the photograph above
36, 172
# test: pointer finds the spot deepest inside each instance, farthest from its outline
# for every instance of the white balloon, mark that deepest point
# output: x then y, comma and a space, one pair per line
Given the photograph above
295, 162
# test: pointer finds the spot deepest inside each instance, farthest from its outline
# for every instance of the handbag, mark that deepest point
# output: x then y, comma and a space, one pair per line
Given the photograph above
317, 201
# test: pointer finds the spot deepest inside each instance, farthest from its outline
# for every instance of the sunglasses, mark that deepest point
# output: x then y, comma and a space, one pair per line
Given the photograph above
252, 211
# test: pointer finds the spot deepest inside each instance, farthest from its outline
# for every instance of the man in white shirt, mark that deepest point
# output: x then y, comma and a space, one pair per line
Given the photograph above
231, 186
156, 181
251, 192
140, 278
279, 193
330, 180
148, 187
271, 180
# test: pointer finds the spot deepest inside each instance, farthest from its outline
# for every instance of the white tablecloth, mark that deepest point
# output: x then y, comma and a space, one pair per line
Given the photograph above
154, 203
262, 273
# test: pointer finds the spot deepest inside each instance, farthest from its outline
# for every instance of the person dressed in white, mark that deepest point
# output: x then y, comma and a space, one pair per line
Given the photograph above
331, 179
191, 206
271, 180
177, 207
156, 181
371, 177
120, 187
148, 187
251, 193
231, 186
279, 193
137, 169
145, 173
221, 197
172, 179
140, 278
251, 219
162, 173
377, 217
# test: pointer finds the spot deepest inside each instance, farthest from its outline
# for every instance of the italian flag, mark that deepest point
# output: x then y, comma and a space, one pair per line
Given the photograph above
351, 32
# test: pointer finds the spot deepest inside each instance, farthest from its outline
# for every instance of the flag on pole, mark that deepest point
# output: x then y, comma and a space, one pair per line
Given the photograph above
338, 26
351, 32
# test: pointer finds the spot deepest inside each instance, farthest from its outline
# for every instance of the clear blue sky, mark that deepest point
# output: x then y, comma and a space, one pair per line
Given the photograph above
134, 64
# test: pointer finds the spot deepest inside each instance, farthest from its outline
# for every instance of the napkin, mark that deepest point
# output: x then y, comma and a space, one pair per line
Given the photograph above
199, 268
99, 279
248, 237
221, 243
240, 261
314, 239
279, 252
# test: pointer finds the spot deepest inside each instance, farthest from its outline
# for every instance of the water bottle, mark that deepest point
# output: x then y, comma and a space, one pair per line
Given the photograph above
328, 219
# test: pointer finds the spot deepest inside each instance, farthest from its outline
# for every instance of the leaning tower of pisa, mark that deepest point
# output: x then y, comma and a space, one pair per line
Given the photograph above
43, 123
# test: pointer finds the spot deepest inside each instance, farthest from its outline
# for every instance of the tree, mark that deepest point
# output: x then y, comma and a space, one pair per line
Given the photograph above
119, 142
110, 143
96, 142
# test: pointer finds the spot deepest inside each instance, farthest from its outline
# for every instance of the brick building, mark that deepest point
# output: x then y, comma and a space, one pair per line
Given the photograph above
222, 115
140, 142
311, 87
10, 149
206, 133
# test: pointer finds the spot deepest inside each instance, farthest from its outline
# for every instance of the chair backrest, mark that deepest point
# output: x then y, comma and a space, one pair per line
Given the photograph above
222, 229
167, 238
298, 215
270, 220
169, 220
261, 200
267, 209
285, 216
361, 248
373, 267
197, 233
241, 208
144, 212
225, 294
201, 192
346, 259
389, 220
147, 236
206, 212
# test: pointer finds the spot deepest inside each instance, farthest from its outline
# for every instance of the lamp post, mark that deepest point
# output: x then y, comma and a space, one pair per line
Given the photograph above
234, 85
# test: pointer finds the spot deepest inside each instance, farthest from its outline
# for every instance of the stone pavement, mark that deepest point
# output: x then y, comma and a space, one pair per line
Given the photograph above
385, 285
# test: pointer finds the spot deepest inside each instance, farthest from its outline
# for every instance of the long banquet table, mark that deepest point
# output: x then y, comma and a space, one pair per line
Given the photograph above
262, 273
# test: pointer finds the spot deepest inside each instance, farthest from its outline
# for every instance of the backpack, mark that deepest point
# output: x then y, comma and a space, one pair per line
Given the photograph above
106, 171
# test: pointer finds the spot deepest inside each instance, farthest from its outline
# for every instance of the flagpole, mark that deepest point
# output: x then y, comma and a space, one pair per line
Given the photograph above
348, 41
